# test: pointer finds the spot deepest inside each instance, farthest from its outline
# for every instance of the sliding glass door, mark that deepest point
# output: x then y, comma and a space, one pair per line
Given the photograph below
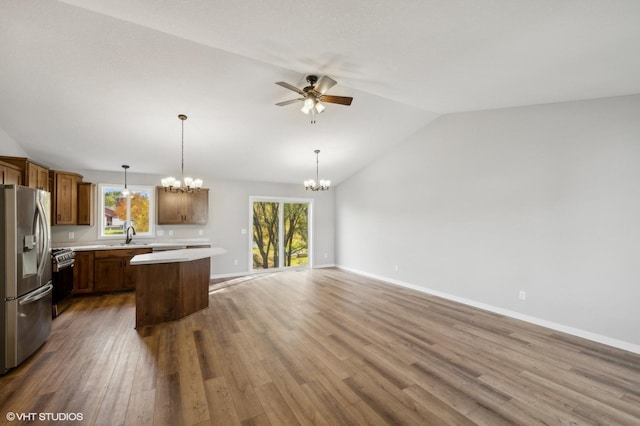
280, 233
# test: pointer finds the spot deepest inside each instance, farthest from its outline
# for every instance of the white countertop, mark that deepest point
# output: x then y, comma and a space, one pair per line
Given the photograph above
173, 256
166, 245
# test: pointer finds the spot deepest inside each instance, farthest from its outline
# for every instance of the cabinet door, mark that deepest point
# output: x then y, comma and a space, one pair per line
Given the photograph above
108, 274
85, 203
129, 274
196, 207
66, 199
43, 179
12, 176
169, 207
32, 175
37, 177
83, 272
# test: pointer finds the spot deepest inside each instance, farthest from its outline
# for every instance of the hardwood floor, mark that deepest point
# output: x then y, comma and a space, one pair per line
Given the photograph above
320, 347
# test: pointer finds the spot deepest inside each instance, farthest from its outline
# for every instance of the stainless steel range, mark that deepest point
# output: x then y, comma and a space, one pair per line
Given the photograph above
62, 261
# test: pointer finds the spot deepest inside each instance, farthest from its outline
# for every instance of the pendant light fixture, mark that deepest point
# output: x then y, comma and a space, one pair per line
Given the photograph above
318, 184
171, 184
125, 191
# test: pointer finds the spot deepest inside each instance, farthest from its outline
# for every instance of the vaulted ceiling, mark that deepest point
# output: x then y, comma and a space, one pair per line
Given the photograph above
93, 84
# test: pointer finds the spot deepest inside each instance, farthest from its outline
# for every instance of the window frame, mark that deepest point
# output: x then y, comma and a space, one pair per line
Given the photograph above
310, 230
151, 190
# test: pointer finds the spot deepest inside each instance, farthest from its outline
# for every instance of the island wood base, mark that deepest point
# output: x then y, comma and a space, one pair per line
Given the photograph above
170, 291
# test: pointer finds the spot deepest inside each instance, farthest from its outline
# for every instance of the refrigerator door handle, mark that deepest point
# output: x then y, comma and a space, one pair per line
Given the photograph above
42, 224
39, 294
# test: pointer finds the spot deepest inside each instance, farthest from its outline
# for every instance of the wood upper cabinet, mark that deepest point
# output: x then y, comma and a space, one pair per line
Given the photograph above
177, 208
83, 272
31, 174
85, 203
64, 196
113, 270
37, 176
10, 174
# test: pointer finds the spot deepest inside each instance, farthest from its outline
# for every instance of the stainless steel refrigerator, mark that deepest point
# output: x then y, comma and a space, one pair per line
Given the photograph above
25, 273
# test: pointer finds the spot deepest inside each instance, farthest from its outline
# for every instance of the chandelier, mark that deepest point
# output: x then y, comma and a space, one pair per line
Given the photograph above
171, 184
318, 184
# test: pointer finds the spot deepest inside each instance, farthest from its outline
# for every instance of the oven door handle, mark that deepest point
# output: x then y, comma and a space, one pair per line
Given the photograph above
57, 267
43, 292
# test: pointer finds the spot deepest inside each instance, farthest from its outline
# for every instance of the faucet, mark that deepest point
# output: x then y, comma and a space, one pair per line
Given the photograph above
130, 232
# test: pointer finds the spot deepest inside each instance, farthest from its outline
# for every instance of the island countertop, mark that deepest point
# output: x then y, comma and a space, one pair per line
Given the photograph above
174, 256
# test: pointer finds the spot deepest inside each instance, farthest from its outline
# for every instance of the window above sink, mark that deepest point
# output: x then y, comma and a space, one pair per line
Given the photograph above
117, 211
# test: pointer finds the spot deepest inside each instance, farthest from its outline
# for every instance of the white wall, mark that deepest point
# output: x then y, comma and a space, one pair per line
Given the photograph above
10, 147
481, 205
228, 215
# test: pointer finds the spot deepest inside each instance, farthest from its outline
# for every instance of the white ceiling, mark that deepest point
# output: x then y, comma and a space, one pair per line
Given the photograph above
93, 84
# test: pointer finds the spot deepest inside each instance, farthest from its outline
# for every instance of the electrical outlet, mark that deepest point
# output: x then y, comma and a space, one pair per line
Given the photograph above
200, 232
160, 233
243, 231
396, 268
235, 261
522, 295
72, 235
171, 232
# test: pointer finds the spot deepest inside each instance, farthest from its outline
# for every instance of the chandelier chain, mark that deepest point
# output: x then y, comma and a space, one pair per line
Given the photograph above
170, 184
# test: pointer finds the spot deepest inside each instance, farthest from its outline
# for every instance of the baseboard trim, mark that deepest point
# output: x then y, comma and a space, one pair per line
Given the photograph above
231, 275
262, 271
620, 344
327, 265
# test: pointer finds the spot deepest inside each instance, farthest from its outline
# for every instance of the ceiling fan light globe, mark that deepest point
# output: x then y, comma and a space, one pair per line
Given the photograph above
309, 103
319, 107
305, 109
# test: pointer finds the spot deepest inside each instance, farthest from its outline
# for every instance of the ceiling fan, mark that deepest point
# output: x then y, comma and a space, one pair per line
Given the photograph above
313, 95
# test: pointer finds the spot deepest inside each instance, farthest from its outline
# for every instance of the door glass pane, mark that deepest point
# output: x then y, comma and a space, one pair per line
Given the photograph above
265, 235
296, 248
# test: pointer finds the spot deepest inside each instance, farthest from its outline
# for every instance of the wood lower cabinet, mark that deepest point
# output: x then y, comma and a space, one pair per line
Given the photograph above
177, 208
83, 272
113, 271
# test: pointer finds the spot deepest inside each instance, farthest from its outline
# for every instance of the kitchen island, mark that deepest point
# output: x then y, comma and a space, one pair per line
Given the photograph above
172, 284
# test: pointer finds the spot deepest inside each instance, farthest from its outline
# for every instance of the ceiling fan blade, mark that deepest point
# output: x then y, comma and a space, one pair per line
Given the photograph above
290, 87
324, 84
290, 102
342, 100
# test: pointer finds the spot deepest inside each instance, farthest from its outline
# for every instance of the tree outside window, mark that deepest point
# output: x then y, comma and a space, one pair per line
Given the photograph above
117, 211
280, 234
